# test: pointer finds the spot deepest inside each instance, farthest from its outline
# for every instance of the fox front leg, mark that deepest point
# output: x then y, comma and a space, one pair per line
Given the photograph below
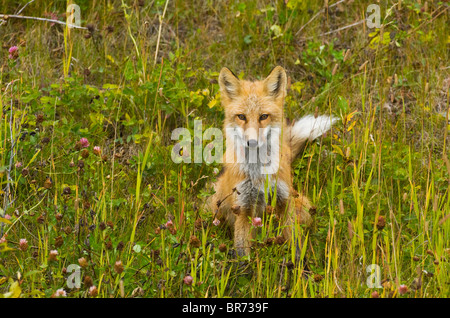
242, 234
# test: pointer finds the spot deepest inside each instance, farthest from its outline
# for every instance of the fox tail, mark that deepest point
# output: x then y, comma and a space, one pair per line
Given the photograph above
306, 129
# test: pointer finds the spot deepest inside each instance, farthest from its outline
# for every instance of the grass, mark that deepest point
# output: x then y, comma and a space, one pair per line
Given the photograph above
133, 220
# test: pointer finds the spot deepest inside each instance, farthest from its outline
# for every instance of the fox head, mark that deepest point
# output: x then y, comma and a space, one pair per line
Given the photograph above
252, 109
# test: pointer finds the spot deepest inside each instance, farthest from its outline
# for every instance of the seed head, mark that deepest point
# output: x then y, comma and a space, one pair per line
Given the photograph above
188, 280
87, 281
118, 267
25, 171
381, 223
279, 240
317, 278
170, 200
85, 153
52, 256
68, 230
40, 219
59, 241
48, 183
83, 262
222, 248
120, 246
39, 118
194, 241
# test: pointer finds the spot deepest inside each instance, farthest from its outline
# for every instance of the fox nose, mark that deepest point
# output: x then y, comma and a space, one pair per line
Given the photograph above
252, 143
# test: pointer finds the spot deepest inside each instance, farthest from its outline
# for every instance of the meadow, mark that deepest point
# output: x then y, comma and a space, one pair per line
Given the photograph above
92, 204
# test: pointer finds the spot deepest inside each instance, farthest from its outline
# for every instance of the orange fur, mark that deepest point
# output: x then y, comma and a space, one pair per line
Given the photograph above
246, 105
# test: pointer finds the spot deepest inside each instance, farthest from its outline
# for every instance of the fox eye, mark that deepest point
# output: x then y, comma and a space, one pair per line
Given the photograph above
263, 117
241, 117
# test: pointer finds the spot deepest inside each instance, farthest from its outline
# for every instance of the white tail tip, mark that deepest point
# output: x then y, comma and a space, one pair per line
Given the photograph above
310, 127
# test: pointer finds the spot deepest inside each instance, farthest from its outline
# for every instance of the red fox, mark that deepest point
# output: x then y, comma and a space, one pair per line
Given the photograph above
260, 148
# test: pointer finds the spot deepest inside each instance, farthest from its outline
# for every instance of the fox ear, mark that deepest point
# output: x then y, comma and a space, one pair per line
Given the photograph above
229, 84
275, 83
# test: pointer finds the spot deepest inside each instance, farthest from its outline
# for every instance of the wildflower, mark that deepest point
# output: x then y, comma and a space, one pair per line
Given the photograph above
52, 255
169, 223
93, 291
60, 293
18, 164
7, 216
3, 239
257, 222
13, 52
188, 280
216, 222
23, 244
97, 150
402, 289
84, 142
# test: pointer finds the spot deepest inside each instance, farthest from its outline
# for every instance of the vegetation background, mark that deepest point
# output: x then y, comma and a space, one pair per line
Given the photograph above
85, 141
